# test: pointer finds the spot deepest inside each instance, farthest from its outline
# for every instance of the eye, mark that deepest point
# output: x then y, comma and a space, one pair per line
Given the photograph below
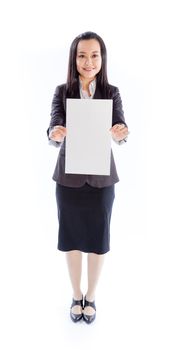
95, 55
81, 56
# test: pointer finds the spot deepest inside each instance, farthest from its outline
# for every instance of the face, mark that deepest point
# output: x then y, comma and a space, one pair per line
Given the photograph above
88, 59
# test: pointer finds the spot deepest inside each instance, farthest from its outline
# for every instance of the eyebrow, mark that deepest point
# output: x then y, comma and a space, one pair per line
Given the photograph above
92, 51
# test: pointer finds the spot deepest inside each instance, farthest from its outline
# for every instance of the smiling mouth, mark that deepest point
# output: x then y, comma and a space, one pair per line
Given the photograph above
88, 69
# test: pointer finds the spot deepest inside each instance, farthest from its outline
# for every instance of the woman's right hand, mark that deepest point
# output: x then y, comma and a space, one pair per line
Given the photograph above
58, 133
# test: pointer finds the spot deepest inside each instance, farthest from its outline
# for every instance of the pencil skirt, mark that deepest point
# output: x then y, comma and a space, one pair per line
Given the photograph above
84, 215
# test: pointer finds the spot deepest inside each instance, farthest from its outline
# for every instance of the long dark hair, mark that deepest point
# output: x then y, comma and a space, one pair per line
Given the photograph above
72, 76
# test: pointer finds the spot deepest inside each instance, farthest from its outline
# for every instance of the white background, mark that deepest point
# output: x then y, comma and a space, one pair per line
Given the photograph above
140, 297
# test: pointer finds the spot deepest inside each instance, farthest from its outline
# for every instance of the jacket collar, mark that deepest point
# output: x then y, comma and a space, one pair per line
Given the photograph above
92, 89
97, 95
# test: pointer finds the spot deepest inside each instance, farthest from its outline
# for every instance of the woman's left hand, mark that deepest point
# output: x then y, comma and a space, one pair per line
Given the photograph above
119, 132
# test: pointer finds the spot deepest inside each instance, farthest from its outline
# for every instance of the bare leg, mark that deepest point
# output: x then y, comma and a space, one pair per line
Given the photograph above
95, 264
74, 262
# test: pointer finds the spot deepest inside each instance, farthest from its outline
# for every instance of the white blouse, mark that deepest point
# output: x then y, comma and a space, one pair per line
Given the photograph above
92, 89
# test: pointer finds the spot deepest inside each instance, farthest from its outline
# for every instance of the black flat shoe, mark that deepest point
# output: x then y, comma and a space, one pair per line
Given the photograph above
89, 318
76, 317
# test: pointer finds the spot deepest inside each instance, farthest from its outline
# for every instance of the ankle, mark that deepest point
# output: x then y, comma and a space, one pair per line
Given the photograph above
90, 297
77, 296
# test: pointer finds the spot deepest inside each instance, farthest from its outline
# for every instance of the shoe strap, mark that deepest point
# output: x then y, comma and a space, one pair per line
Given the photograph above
77, 302
90, 303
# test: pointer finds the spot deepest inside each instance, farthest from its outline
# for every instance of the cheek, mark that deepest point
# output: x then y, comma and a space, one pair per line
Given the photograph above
99, 64
77, 65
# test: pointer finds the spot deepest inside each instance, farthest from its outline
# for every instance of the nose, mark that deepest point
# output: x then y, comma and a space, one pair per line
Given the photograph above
88, 62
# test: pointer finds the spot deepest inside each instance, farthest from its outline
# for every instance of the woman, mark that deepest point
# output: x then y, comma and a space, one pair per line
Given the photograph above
85, 202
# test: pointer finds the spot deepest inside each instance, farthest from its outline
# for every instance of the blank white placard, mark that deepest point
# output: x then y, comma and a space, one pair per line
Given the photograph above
88, 140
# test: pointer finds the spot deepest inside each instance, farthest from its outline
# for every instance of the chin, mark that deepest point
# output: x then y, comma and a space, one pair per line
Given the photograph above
89, 76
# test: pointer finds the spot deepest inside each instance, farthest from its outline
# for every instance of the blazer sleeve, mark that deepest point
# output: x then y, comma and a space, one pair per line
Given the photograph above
58, 112
118, 113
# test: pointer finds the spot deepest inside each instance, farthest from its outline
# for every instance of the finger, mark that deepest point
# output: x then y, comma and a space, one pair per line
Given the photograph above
122, 127
60, 132
115, 127
57, 138
119, 127
120, 134
59, 127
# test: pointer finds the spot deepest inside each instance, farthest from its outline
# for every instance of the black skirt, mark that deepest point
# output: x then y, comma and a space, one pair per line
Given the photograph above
84, 215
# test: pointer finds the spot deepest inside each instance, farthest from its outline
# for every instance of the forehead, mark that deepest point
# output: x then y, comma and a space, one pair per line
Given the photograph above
88, 45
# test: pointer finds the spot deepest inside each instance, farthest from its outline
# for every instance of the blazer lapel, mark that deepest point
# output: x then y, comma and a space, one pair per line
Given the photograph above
98, 93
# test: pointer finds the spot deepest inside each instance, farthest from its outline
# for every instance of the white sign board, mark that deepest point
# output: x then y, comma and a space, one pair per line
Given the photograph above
88, 140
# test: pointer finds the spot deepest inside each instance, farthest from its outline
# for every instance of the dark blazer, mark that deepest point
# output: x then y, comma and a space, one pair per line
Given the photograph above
58, 117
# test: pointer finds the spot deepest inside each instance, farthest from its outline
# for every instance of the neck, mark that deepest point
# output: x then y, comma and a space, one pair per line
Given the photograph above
85, 83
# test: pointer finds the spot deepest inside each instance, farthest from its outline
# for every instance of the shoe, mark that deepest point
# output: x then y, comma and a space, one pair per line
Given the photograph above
89, 318
76, 317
